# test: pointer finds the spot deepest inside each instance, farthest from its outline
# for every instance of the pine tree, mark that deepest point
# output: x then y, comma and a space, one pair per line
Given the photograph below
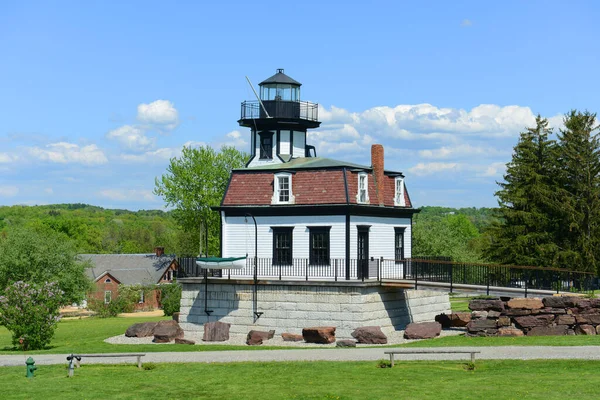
579, 175
528, 203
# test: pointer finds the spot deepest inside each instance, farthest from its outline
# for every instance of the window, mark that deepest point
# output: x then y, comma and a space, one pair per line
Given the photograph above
282, 245
399, 244
319, 245
141, 296
363, 185
107, 280
107, 296
266, 145
399, 193
282, 189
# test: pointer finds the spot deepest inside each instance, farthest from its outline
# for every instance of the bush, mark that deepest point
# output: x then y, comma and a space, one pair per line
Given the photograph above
116, 306
30, 312
170, 297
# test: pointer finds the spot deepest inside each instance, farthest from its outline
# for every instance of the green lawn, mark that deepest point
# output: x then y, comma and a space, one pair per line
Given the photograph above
546, 380
459, 303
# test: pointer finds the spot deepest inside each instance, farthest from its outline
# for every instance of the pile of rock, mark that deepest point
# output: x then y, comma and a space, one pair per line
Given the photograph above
163, 332
548, 316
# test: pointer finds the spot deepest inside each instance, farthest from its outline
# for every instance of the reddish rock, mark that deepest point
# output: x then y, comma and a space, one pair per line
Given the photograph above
460, 319
565, 320
585, 329
345, 343
555, 311
167, 331
595, 303
485, 305
184, 341
509, 331
422, 330
369, 335
582, 303
216, 331
320, 334
444, 320
143, 329
478, 325
516, 312
525, 303
503, 321
479, 315
556, 330
258, 337
588, 319
494, 314
530, 321
291, 337
598, 330
559, 302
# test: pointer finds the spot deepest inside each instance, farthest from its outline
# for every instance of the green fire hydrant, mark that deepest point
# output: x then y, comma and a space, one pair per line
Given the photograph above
30, 367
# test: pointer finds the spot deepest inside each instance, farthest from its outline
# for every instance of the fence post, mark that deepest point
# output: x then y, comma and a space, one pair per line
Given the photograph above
487, 273
526, 283
451, 275
379, 267
307, 271
416, 267
335, 264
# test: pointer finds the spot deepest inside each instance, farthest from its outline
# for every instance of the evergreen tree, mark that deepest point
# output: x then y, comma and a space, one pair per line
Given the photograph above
579, 175
528, 203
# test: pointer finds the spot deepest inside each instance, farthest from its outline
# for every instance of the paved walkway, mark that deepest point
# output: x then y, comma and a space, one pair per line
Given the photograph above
364, 354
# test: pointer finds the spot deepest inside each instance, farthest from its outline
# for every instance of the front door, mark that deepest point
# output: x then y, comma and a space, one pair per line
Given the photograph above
363, 254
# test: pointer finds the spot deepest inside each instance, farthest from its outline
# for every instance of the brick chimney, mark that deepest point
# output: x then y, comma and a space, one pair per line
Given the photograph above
377, 164
159, 251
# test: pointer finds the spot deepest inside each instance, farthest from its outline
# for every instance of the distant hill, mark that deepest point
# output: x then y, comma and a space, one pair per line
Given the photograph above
99, 230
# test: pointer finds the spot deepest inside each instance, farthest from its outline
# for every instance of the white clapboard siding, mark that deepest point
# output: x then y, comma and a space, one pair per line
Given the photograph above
238, 236
299, 144
381, 235
284, 142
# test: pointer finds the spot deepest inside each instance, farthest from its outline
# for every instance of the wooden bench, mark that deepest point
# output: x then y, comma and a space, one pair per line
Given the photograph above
405, 351
76, 358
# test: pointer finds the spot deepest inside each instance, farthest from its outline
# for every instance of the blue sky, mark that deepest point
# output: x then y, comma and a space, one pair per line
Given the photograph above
95, 97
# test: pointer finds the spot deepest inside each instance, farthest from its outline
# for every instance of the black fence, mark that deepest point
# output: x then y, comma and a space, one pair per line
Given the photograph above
251, 109
418, 271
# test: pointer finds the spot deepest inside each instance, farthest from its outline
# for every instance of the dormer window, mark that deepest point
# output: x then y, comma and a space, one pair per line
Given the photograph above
266, 145
282, 190
399, 193
363, 184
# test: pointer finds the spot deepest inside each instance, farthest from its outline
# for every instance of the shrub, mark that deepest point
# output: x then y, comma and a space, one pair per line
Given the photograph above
30, 312
170, 297
116, 306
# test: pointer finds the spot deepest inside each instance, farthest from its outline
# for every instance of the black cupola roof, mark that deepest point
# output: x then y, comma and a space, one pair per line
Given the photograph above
280, 77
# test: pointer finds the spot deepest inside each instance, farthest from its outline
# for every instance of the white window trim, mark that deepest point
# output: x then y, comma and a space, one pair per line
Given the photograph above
142, 299
275, 198
399, 197
366, 176
109, 292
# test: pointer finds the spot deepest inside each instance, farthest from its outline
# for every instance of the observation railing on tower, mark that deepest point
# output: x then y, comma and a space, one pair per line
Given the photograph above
251, 109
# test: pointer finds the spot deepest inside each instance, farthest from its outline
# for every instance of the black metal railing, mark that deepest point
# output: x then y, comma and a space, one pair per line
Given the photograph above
251, 109
419, 271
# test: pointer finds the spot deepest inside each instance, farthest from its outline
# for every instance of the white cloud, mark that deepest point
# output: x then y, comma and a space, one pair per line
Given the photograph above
7, 158
132, 137
49, 190
69, 153
158, 155
466, 23
496, 169
161, 113
461, 151
423, 169
8, 191
129, 194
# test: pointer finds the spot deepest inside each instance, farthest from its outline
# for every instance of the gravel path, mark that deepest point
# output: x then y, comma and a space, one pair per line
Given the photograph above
327, 354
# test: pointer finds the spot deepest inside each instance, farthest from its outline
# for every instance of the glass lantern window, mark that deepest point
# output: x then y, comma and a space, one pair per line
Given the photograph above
280, 92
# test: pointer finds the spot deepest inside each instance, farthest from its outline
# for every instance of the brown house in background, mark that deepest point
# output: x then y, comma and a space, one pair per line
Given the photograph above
108, 271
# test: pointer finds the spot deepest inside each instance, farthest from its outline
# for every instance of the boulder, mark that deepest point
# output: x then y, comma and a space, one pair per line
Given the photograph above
460, 319
176, 316
345, 343
588, 319
525, 303
485, 305
559, 301
422, 330
582, 303
598, 330
444, 320
555, 330
550, 310
216, 331
565, 320
369, 335
585, 329
503, 321
291, 337
509, 331
167, 331
258, 337
143, 329
184, 341
478, 325
479, 315
319, 334
595, 303
494, 314
530, 321
516, 312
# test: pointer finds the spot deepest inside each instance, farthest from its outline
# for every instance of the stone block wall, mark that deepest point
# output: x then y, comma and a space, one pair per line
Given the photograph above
289, 308
532, 316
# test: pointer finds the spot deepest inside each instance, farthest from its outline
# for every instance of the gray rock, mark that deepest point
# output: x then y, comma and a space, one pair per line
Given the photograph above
167, 331
345, 343
556, 330
422, 330
486, 305
530, 321
143, 329
184, 341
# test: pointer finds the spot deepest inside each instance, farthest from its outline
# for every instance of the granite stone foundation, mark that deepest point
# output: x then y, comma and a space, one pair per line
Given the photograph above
291, 307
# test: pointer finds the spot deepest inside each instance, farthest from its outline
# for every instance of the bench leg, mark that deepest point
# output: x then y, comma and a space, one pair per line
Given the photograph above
473, 357
139, 362
77, 363
392, 360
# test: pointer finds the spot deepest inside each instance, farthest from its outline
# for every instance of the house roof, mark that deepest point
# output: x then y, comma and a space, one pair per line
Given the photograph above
129, 269
306, 163
280, 77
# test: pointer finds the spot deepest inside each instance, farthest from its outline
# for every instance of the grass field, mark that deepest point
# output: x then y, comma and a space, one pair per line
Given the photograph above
558, 379
459, 303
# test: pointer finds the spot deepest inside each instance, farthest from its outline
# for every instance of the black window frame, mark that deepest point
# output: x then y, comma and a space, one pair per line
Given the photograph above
321, 255
286, 231
266, 153
399, 233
